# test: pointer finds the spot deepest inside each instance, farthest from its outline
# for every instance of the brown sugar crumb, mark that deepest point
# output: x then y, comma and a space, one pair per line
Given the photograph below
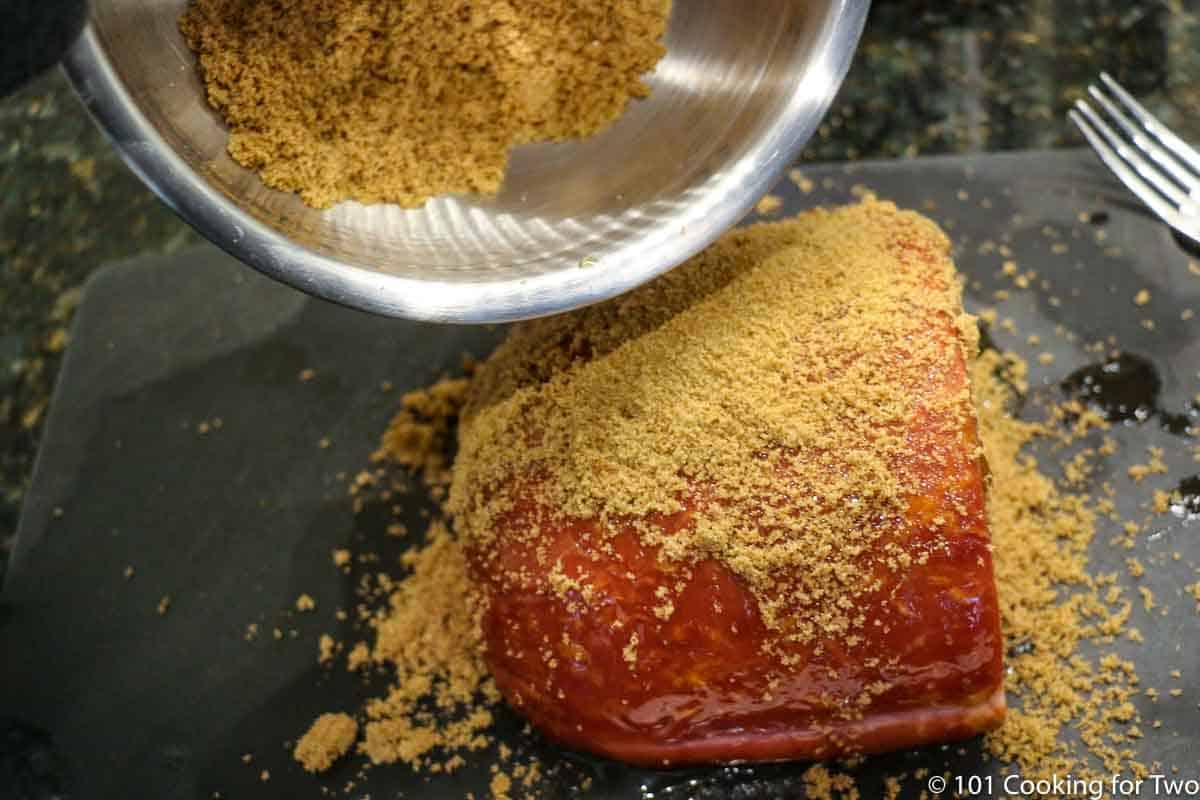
127, 573
399, 102
769, 204
630, 651
341, 557
359, 657
418, 435
1147, 598
326, 646
329, 738
822, 784
164, 605
1155, 466
804, 184
1050, 605
1141, 298
500, 786
430, 638
305, 603
307, 374
264, 776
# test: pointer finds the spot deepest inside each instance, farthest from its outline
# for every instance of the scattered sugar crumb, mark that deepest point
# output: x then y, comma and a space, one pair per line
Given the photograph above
769, 204
805, 185
325, 648
358, 657
1155, 466
500, 786
1147, 598
329, 738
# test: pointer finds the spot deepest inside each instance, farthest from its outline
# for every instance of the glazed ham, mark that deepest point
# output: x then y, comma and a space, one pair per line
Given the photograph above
740, 514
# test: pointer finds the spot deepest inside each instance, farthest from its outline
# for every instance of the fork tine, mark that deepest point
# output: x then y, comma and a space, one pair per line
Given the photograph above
1164, 134
1084, 119
1186, 178
1133, 158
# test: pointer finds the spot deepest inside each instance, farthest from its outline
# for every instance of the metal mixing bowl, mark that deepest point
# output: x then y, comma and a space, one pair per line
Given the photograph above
742, 88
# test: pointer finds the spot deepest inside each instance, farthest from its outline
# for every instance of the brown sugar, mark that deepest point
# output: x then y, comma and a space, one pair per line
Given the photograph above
399, 102
418, 437
627, 421
500, 786
429, 637
1050, 604
330, 737
768, 204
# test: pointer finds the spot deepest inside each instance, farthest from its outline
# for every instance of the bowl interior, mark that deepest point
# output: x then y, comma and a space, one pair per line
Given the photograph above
742, 87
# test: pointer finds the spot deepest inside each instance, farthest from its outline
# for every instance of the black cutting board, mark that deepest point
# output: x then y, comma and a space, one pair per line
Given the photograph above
103, 697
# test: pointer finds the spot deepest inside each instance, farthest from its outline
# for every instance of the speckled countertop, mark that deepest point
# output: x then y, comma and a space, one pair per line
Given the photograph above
931, 77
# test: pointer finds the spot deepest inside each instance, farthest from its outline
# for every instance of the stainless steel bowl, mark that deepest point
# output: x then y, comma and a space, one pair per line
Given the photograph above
742, 88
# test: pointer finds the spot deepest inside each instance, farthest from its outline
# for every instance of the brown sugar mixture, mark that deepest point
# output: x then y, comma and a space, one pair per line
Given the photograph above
1052, 608
1071, 708
397, 101
330, 737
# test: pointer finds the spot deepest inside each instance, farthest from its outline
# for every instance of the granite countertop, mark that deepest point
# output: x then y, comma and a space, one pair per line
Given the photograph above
930, 77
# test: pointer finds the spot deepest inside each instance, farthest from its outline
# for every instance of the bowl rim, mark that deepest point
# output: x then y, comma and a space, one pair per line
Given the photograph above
257, 244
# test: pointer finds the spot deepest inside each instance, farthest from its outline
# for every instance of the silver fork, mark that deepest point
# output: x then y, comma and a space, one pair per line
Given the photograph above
1156, 165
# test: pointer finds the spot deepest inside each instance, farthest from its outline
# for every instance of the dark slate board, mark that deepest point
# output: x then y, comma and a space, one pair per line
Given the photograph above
101, 697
